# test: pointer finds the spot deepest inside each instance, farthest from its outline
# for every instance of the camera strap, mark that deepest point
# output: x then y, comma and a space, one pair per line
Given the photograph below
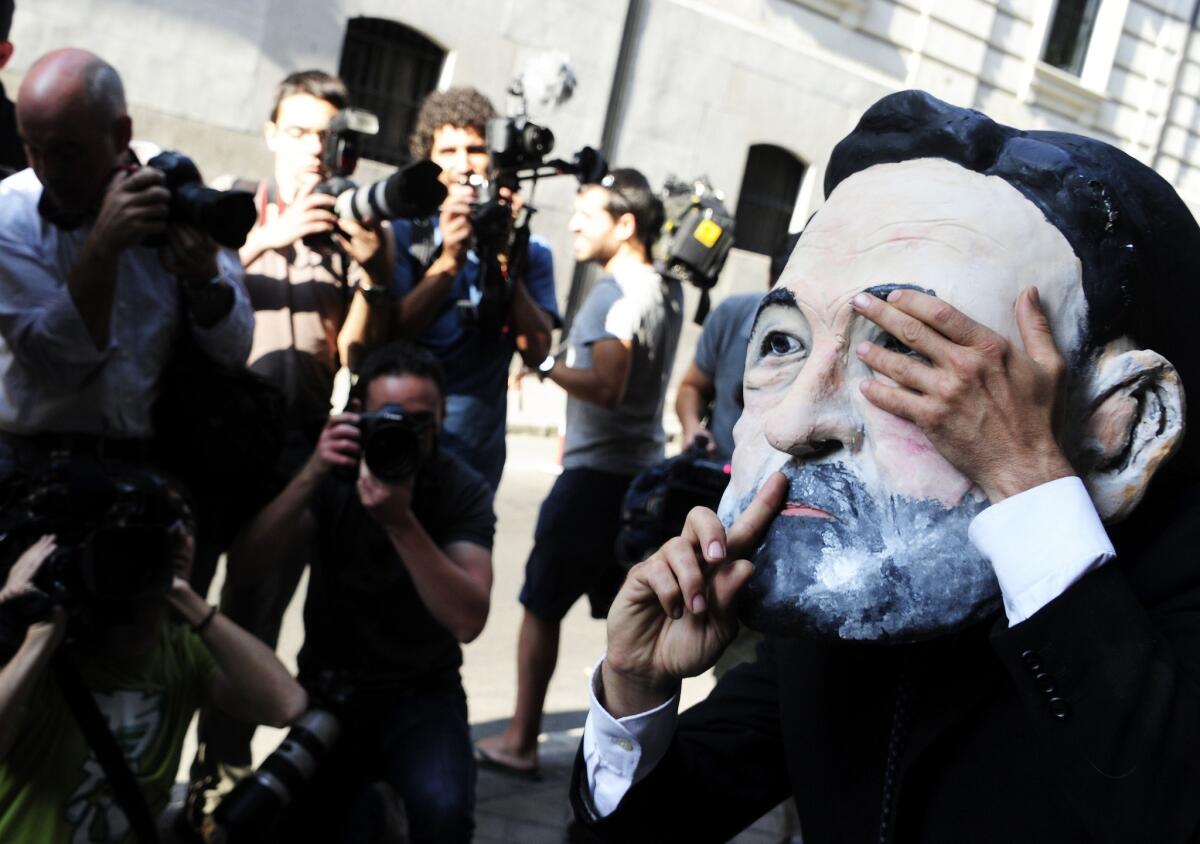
99, 736
424, 246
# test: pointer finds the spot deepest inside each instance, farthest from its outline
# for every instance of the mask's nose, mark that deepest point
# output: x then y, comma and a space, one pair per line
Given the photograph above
816, 415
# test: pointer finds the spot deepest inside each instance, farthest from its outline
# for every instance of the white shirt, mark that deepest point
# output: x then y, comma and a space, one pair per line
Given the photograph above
52, 376
1039, 543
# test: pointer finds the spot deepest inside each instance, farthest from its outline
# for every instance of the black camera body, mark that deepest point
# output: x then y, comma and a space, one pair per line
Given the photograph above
114, 540
225, 215
393, 443
516, 142
659, 499
412, 191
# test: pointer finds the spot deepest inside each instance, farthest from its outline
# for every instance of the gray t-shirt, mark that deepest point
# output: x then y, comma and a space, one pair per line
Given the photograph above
640, 307
721, 355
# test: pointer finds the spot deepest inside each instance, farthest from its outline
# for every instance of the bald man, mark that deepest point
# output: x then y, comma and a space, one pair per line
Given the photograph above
88, 313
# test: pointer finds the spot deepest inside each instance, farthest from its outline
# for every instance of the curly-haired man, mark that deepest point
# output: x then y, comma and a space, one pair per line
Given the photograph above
437, 267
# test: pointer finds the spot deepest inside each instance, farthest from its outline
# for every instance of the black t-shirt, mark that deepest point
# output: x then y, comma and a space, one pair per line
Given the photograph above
363, 615
12, 154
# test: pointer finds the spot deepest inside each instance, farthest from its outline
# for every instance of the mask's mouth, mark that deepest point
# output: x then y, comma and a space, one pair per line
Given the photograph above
799, 508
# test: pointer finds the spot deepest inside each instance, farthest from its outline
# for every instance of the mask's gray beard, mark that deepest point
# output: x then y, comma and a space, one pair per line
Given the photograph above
896, 569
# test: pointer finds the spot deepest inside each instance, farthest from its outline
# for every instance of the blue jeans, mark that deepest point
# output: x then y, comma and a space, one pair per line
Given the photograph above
420, 744
474, 431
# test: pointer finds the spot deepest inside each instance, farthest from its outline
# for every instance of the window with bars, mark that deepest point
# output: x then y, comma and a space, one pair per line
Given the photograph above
1070, 34
770, 186
389, 69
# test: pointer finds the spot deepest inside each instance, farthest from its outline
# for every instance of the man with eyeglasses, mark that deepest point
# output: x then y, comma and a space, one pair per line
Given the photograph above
618, 360
318, 285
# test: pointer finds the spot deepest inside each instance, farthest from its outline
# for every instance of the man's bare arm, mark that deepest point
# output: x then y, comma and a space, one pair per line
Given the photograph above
250, 682
692, 402
603, 384
530, 325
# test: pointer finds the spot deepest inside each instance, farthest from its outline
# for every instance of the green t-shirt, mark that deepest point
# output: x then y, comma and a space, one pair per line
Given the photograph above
53, 790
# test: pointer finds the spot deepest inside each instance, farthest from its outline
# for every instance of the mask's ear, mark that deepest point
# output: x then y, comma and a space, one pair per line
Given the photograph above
1133, 422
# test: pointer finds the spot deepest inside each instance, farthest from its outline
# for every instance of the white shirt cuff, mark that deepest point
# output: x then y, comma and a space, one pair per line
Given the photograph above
619, 752
1040, 542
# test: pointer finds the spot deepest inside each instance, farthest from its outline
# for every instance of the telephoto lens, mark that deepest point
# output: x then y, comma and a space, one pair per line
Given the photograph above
392, 442
411, 192
253, 810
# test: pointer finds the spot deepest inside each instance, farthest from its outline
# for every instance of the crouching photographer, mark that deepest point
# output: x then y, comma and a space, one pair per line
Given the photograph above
401, 576
107, 655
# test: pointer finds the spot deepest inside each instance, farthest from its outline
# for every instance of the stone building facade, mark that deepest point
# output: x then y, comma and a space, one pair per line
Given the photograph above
752, 94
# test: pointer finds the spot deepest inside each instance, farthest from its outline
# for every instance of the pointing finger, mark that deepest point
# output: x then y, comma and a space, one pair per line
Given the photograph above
750, 526
704, 531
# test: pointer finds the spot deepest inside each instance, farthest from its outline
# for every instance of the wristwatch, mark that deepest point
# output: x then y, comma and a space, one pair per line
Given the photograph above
373, 294
545, 367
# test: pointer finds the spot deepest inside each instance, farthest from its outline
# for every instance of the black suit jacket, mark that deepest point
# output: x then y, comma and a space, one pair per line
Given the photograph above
1080, 724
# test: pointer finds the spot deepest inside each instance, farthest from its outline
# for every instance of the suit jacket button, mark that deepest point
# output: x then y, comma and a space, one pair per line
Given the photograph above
1059, 708
1032, 660
1045, 683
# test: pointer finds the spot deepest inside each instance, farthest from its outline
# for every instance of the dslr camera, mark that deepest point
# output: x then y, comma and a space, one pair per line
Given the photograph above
393, 443
115, 536
225, 215
412, 191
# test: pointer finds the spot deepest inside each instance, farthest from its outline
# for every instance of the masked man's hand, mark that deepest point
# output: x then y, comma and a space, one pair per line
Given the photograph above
990, 407
674, 615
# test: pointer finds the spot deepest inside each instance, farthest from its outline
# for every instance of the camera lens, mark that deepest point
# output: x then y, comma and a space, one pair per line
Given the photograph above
391, 452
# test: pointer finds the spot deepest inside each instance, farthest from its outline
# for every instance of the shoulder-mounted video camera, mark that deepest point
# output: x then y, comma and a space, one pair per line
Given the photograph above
696, 237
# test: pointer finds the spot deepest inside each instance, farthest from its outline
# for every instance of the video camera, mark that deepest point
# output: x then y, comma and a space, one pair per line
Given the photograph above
696, 237
412, 191
660, 498
225, 215
114, 537
518, 150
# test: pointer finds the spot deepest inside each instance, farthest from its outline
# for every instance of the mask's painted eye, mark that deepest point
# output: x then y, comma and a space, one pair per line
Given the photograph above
779, 344
890, 343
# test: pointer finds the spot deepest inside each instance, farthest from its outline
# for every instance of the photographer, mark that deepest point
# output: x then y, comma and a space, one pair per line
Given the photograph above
88, 313
315, 309
146, 671
401, 575
317, 305
437, 267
